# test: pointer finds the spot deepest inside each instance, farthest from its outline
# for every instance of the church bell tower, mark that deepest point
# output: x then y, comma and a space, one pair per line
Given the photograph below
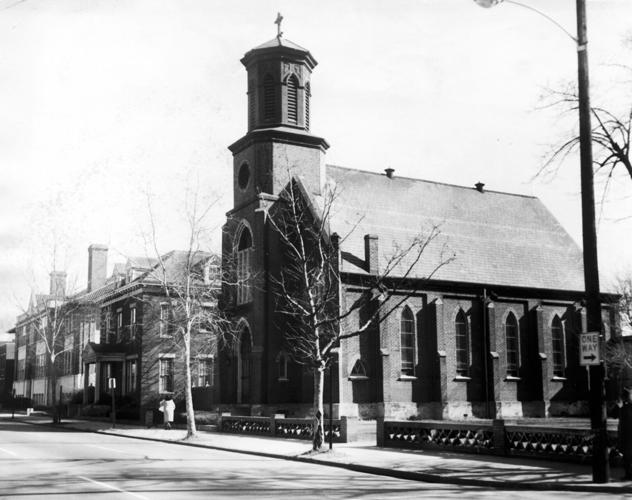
278, 144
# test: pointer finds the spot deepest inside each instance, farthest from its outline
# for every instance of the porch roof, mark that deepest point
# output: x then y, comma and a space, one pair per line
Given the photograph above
103, 352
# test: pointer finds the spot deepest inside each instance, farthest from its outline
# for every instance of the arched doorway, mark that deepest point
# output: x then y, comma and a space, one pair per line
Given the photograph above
244, 366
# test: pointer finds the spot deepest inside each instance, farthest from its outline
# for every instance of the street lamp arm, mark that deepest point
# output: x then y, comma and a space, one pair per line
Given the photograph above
492, 3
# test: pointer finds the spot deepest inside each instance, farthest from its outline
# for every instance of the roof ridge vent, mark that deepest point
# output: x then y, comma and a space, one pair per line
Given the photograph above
389, 172
479, 186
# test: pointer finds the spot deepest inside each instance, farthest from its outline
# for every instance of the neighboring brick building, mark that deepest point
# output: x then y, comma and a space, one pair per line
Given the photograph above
7, 367
70, 319
493, 333
138, 345
115, 328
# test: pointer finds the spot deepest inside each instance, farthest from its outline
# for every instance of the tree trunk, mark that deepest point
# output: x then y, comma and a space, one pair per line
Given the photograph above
188, 395
319, 430
52, 383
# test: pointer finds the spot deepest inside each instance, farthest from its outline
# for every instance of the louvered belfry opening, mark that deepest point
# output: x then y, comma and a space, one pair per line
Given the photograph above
308, 94
251, 105
292, 100
269, 98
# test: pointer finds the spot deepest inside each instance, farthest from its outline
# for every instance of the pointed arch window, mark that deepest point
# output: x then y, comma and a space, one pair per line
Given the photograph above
462, 341
292, 99
512, 345
407, 344
358, 372
282, 366
308, 95
244, 256
269, 98
558, 346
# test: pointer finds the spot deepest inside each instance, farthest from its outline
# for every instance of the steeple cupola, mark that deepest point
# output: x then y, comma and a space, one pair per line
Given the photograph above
278, 143
279, 88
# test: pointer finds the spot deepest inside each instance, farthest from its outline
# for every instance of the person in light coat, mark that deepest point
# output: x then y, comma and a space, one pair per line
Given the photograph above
167, 407
625, 432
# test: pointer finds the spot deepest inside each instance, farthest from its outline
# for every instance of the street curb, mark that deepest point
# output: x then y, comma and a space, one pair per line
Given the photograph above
379, 471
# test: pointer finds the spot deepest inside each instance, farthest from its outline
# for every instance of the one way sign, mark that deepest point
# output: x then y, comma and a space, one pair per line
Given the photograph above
589, 349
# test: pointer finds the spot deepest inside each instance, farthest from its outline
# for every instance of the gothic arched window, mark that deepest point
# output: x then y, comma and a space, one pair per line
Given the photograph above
407, 347
244, 252
558, 346
282, 366
269, 98
462, 342
292, 99
359, 370
512, 345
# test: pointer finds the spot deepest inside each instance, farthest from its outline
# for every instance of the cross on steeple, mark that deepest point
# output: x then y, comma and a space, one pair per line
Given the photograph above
278, 23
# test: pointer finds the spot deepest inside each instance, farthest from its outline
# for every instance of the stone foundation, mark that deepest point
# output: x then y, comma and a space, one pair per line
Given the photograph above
568, 409
402, 410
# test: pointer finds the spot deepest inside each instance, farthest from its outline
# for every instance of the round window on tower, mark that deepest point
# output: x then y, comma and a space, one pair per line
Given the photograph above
244, 175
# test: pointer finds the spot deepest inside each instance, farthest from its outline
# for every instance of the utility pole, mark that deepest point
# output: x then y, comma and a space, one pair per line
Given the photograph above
597, 401
600, 466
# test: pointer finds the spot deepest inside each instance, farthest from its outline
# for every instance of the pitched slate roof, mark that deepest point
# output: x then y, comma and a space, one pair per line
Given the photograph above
175, 265
174, 272
497, 238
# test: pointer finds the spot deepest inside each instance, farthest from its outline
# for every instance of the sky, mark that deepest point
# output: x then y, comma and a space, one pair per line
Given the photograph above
110, 107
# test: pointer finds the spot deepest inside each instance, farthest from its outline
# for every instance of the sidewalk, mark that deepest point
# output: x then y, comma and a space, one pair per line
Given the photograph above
429, 466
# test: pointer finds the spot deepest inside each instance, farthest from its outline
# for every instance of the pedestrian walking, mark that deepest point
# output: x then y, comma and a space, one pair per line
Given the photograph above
625, 432
167, 407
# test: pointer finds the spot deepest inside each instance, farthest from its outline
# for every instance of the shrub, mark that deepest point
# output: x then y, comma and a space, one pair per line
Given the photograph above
22, 403
96, 411
76, 398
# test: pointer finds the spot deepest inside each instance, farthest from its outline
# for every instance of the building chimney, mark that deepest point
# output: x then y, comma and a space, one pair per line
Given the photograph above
97, 266
58, 284
479, 186
371, 253
389, 172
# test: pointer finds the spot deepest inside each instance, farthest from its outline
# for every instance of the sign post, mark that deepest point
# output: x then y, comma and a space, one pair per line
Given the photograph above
112, 386
589, 354
59, 405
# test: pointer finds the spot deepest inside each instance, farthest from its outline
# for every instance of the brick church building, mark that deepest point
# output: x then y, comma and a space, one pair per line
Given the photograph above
493, 333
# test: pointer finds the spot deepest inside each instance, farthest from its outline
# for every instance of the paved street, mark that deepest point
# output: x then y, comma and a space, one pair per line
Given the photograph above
41, 462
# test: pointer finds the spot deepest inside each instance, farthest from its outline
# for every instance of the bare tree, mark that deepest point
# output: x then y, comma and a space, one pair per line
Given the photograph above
48, 317
624, 289
610, 136
191, 281
618, 350
307, 291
